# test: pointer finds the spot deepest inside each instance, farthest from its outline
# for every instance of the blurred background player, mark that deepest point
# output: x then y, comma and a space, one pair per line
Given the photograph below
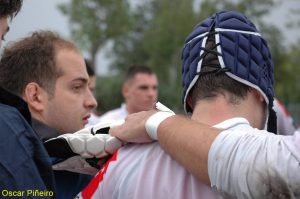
285, 123
139, 91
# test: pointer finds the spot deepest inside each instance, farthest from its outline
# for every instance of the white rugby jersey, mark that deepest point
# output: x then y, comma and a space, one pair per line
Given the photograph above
141, 171
244, 162
145, 171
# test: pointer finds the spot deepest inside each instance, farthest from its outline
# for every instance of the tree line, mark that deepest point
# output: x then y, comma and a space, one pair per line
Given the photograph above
152, 32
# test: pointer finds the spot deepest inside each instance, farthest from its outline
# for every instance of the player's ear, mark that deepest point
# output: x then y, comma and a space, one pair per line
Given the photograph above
34, 95
125, 90
189, 101
258, 95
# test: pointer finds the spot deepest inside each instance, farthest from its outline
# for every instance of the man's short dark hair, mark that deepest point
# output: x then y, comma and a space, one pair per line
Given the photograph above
133, 70
89, 68
10, 7
212, 81
32, 59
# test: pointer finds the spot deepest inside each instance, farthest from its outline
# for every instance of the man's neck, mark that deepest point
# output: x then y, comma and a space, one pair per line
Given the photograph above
130, 109
214, 111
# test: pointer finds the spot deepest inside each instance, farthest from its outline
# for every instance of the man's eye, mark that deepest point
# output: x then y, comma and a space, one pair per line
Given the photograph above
76, 88
143, 87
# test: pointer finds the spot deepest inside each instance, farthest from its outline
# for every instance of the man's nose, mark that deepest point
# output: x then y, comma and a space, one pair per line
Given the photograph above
152, 92
90, 101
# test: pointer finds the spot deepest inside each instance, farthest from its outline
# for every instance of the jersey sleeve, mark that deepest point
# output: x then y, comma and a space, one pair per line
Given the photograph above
255, 164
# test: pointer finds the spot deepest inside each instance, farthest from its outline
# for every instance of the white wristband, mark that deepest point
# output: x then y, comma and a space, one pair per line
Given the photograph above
154, 121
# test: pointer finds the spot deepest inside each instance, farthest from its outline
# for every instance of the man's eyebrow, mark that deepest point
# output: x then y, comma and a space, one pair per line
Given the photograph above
143, 86
81, 79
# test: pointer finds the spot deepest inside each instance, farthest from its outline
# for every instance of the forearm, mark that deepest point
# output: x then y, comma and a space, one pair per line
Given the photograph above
188, 142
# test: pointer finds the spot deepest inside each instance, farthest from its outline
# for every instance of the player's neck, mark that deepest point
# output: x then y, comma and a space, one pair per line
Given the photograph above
130, 109
212, 112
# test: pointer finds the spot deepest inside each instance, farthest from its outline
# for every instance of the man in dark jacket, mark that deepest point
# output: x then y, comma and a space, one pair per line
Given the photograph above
49, 73
24, 164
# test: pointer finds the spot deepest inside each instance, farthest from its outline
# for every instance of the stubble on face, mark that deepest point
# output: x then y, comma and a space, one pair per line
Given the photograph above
142, 93
66, 110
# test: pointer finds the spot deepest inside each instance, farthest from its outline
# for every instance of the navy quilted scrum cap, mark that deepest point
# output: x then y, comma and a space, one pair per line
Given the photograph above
242, 52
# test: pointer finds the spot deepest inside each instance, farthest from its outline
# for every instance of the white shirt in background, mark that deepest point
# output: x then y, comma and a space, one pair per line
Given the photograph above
115, 114
285, 124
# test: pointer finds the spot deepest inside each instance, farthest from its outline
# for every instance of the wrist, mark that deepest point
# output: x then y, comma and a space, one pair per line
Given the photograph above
154, 121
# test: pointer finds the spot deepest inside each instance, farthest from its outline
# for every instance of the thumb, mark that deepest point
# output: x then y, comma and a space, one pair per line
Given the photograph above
116, 131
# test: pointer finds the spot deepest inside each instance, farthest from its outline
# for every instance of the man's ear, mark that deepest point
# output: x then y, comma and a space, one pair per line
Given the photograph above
125, 89
258, 95
33, 95
189, 101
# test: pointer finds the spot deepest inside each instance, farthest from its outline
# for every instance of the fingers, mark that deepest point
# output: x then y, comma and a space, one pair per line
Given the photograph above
133, 130
117, 131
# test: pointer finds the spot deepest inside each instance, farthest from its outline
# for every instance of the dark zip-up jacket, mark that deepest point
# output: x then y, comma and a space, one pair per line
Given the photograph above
25, 165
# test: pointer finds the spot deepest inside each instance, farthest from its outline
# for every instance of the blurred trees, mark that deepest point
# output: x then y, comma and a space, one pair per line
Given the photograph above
153, 32
94, 22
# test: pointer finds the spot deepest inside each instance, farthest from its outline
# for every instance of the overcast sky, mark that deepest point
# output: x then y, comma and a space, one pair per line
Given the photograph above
37, 15
43, 14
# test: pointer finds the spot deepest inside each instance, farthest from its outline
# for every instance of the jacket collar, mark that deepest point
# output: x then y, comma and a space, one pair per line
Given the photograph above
15, 101
44, 131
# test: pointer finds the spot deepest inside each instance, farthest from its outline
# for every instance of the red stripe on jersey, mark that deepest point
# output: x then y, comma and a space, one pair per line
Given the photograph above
283, 108
90, 189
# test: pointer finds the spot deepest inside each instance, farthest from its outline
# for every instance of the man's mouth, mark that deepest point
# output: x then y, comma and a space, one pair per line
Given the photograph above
85, 119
